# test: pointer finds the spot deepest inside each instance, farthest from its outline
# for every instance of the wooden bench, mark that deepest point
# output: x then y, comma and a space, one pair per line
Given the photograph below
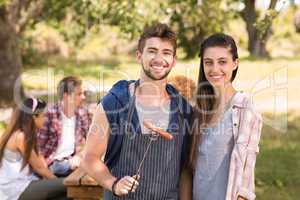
80, 186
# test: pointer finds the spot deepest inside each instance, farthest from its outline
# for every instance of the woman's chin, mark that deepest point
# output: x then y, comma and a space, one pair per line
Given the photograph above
217, 84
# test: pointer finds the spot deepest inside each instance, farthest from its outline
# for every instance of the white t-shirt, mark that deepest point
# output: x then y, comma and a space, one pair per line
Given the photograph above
66, 144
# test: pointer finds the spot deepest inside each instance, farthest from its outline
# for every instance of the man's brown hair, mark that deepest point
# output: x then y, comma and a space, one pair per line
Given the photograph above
159, 30
67, 85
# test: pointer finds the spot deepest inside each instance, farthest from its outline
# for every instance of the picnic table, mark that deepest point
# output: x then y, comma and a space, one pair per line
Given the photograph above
81, 186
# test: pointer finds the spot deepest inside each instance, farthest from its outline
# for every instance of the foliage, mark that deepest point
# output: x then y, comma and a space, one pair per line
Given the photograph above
77, 19
193, 22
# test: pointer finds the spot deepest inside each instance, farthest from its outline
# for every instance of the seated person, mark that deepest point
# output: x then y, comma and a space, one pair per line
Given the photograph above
20, 160
61, 139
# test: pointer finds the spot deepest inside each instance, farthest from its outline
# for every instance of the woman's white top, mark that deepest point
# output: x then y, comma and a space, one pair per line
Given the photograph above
13, 180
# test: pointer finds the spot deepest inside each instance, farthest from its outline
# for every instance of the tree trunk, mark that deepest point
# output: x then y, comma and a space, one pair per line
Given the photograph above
257, 46
10, 63
297, 21
256, 42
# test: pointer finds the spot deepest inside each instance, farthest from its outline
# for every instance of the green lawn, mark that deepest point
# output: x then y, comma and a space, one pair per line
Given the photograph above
278, 164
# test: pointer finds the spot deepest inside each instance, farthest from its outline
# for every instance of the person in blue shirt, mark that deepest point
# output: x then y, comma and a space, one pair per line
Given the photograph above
117, 128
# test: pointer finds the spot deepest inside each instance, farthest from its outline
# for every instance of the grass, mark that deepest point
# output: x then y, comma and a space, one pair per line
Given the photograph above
278, 164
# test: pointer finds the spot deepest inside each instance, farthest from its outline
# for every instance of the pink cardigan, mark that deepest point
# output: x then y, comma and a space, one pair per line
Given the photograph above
247, 124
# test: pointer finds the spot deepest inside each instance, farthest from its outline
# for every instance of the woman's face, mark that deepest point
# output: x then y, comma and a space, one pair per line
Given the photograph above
218, 66
40, 119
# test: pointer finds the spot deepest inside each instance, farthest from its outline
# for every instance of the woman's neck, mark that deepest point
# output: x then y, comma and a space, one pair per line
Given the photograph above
223, 97
224, 94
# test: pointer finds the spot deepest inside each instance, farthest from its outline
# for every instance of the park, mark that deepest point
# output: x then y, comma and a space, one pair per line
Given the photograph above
42, 42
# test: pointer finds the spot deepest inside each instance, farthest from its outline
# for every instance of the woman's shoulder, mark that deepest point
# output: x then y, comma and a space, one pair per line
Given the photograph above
20, 138
16, 140
245, 101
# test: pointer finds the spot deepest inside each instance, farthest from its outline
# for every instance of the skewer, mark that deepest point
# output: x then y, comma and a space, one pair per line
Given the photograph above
155, 131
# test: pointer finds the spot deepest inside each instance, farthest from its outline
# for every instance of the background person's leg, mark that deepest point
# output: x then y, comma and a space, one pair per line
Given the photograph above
44, 190
61, 168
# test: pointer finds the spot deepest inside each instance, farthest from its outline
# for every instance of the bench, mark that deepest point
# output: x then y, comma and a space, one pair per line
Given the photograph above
80, 186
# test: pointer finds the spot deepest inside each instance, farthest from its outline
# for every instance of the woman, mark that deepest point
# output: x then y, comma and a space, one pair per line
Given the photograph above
19, 158
223, 154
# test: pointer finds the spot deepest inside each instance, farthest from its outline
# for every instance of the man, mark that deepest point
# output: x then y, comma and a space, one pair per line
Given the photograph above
61, 139
118, 130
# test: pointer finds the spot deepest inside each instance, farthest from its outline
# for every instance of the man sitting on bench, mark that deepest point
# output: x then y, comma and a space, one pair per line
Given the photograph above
61, 139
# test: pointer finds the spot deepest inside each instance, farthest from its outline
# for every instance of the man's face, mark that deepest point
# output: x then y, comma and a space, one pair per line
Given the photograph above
75, 98
157, 58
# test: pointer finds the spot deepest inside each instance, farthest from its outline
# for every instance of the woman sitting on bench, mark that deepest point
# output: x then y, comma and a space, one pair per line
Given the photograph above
20, 161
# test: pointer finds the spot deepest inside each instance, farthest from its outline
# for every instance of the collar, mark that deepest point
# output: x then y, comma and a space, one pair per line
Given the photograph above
239, 100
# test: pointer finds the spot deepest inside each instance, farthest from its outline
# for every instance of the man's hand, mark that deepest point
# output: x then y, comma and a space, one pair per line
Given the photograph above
124, 185
75, 162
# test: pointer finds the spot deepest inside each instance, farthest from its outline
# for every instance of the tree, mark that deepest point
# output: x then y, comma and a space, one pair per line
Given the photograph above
194, 21
297, 21
259, 28
14, 15
17, 15
191, 21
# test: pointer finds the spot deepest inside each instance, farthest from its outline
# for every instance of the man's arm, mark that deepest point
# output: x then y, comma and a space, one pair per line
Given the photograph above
95, 148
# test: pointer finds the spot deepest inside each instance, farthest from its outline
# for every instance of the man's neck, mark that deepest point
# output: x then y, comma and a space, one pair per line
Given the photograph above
152, 92
151, 87
67, 109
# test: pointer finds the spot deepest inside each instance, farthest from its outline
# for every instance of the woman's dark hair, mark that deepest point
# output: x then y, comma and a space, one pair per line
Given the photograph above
206, 97
22, 119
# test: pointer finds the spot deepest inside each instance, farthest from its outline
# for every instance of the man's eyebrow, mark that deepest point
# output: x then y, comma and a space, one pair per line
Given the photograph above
168, 50
152, 48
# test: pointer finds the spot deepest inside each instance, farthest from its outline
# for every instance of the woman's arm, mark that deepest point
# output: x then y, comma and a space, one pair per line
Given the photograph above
37, 162
186, 185
39, 165
247, 186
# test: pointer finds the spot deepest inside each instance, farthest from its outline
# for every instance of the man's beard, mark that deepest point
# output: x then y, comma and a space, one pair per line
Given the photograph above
151, 76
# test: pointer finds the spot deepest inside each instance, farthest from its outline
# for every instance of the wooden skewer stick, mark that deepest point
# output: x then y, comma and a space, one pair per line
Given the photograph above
155, 129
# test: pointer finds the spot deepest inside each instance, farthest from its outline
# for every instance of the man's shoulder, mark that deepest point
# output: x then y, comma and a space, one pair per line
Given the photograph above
54, 108
82, 111
182, 101
117, 94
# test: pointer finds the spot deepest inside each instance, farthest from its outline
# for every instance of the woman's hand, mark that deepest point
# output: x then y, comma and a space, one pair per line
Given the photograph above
124, 185
241, 198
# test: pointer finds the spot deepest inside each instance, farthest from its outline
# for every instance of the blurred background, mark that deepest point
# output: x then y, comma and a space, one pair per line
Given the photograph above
43, 41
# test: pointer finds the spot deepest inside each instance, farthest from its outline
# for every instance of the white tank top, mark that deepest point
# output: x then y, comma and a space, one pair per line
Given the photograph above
13, 181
